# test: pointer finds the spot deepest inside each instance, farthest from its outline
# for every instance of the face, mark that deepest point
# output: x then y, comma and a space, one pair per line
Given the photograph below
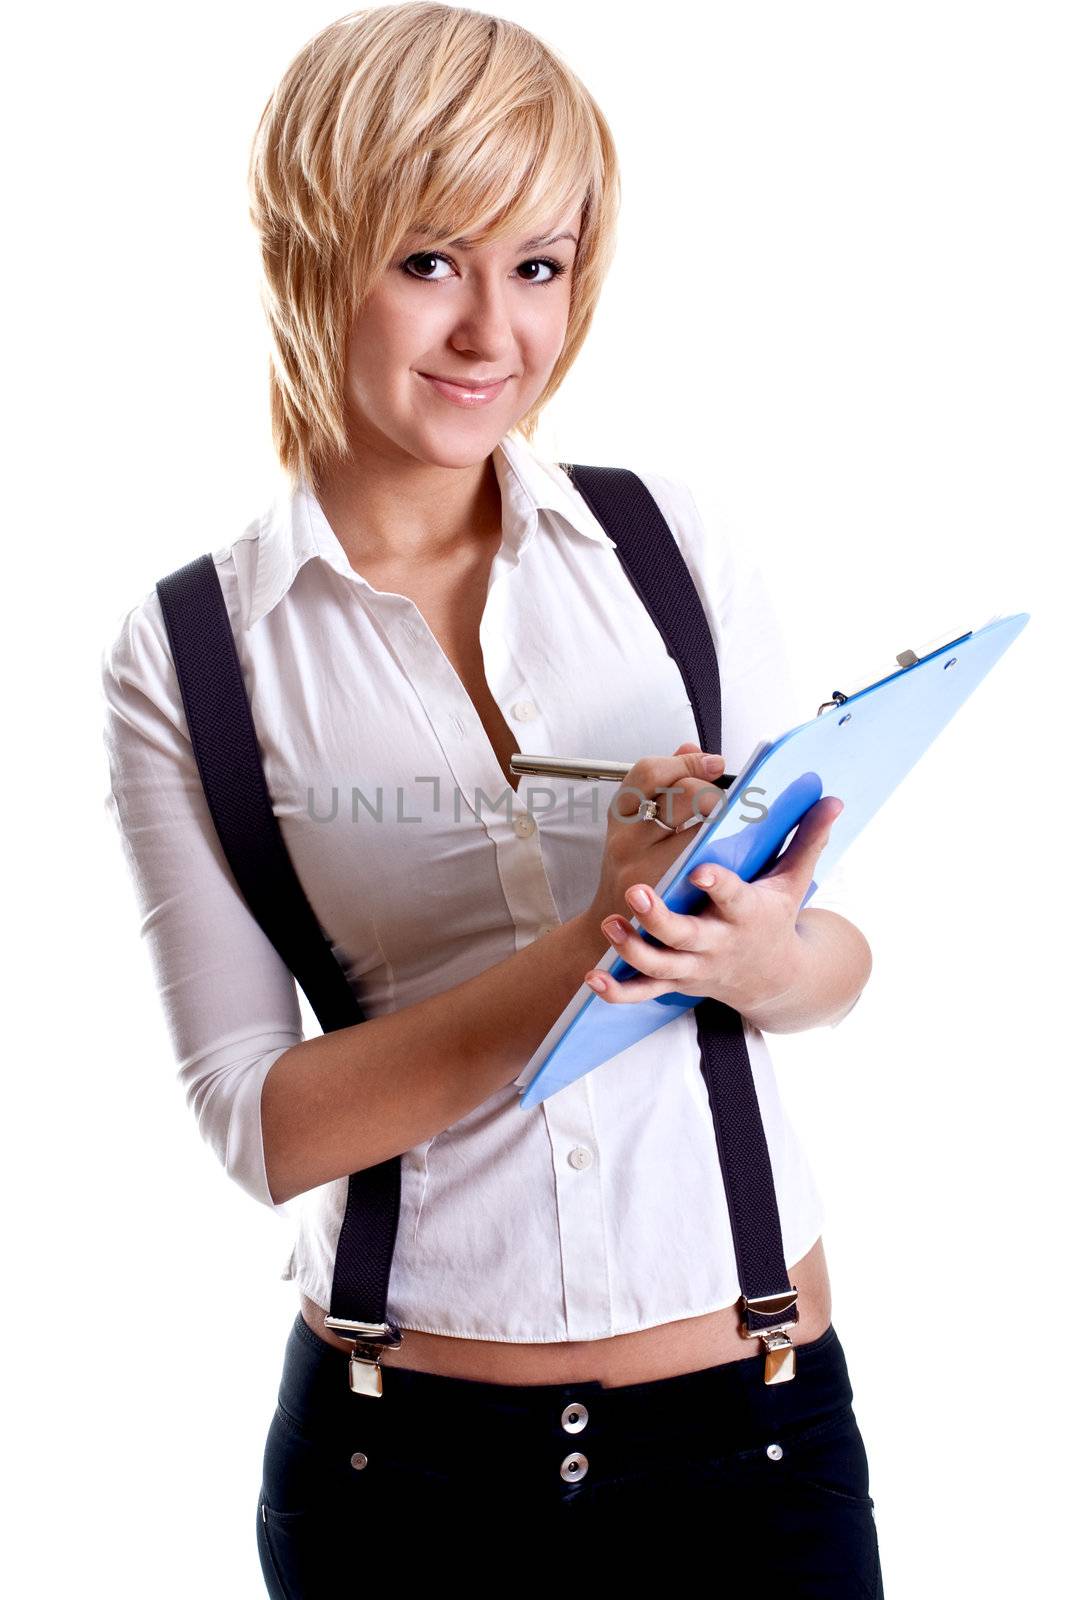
488, 312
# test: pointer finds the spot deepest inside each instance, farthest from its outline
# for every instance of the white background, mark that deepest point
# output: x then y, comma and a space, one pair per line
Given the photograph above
838, 312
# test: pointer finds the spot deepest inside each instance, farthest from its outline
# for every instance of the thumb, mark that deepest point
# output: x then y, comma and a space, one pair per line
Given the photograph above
797, 863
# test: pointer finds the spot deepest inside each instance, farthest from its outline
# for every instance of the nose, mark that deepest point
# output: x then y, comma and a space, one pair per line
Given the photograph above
483, 318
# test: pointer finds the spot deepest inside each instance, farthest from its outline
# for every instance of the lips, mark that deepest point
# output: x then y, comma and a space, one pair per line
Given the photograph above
463, 393
466, 383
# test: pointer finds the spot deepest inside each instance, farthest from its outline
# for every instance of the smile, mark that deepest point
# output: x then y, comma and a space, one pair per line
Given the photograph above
461, 394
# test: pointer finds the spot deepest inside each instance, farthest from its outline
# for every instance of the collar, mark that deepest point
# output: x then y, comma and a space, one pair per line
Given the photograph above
296, 528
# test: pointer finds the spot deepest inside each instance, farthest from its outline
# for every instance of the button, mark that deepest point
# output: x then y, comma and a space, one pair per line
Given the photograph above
775, 1452
524, 826
573, 1467
546, 927
359, 1459
574, 1417
524, 711
580, 1157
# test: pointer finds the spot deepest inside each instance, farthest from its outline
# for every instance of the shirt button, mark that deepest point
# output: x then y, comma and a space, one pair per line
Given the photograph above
359, 1460
524, 711
574, 1417
524, 826
546, 927
580, 1157
573, 1467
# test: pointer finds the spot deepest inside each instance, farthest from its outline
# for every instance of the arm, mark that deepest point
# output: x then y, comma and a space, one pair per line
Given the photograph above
833, 966
750, 946
349, 1099
283, 1114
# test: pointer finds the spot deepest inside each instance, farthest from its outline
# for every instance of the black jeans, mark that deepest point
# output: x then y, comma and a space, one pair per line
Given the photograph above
446, 1477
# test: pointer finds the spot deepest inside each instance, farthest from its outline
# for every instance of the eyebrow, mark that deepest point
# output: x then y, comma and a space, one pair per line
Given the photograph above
527, 244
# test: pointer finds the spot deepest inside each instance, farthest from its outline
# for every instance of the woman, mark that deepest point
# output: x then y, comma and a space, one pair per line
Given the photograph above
436, 196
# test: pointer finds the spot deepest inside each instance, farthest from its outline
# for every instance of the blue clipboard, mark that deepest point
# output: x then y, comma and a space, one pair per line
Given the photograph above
858, 747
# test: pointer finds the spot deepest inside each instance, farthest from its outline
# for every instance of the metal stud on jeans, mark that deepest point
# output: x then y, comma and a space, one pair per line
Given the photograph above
575, 1416
573, 1467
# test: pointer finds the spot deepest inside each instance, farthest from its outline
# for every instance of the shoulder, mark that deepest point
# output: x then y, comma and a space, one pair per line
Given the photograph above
135, 653
678, 505
701, 533
136, 657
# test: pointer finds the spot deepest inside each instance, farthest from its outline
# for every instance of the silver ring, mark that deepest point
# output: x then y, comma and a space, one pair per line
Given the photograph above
648, 811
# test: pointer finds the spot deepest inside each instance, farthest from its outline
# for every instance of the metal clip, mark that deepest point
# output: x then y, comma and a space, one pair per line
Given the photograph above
369, 1338
780, 1360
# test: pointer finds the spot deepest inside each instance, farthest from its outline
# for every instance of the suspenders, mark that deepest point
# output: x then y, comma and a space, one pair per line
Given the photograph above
224, 743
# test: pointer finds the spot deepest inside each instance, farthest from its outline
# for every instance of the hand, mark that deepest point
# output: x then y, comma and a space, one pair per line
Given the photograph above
635, 850
742, 948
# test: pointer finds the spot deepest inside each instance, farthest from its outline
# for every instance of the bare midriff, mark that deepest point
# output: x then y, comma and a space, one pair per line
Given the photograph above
664, 1351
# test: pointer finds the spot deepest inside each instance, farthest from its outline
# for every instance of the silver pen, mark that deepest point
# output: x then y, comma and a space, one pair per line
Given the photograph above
584, 767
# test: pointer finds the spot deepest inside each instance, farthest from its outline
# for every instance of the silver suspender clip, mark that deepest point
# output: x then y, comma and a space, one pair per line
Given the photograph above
369, 1338
780, 1363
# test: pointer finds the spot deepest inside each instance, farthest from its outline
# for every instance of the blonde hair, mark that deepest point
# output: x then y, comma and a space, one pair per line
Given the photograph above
411, 116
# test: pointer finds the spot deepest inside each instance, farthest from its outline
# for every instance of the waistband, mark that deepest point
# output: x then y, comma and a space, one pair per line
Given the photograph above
730, 1397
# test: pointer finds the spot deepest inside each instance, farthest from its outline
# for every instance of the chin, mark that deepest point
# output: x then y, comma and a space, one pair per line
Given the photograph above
459, 446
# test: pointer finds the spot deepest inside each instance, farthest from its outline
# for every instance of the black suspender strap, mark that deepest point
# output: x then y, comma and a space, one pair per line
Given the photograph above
655, 566
224, 742
227, 753
222, 732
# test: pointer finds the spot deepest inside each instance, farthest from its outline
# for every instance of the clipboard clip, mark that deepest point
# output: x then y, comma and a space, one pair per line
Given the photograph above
904, 659
838, 697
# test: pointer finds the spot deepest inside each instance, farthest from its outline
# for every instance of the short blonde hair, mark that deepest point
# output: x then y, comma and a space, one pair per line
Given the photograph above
400, 117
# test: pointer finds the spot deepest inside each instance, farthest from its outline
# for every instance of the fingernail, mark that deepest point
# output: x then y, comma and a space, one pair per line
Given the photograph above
596, 981
639, 899
711, 765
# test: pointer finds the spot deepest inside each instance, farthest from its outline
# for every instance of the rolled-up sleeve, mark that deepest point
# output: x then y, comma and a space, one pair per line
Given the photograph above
230, 1002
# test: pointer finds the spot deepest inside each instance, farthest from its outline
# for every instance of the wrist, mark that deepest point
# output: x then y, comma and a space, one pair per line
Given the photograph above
778, 1012
594, 941
832, 964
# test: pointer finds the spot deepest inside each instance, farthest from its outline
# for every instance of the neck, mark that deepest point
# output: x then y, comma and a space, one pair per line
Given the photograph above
405, 513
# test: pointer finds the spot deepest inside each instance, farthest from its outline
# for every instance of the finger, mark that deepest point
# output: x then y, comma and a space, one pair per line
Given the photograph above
725, 889
680, 802
648, 958
686, 800
797, 864
632, 992
659, 773
676, 929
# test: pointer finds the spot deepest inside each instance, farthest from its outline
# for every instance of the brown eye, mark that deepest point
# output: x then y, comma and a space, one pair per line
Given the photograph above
556, 268
423, 256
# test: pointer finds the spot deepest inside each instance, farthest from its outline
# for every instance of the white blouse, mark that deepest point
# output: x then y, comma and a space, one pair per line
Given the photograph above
602, 1210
